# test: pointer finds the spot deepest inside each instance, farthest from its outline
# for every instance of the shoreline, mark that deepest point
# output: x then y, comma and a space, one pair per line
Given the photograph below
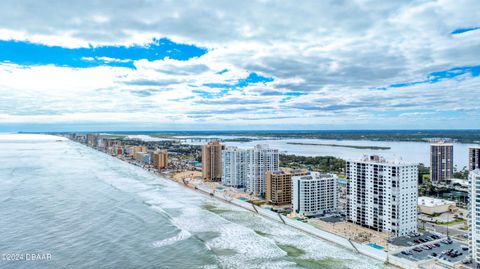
340, 146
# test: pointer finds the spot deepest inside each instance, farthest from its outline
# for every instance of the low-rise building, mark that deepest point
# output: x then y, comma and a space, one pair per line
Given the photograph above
314, 194
431, 206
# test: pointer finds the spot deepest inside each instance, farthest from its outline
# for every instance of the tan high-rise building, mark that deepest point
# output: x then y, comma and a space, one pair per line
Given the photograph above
278, 185
441, 162
474, 158
133, 150
212, 161
160, 159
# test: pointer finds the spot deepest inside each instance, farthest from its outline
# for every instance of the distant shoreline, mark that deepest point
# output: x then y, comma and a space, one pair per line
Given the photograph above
462, 136
341, 146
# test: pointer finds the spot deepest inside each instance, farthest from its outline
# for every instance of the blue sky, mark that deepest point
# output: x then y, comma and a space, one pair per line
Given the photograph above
28, 53
439, 76
159, 65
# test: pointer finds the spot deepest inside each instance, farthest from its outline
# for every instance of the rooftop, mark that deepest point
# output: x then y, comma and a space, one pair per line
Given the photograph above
441, 144
376, 159
432, 202
316, 176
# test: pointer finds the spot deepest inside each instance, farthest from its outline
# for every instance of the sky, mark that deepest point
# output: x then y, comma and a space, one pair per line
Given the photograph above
239, 65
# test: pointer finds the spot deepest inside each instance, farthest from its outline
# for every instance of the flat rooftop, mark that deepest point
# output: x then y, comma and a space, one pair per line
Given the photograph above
433, 202
375, 159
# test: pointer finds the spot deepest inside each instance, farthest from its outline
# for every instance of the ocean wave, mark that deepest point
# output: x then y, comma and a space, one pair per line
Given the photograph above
182, 235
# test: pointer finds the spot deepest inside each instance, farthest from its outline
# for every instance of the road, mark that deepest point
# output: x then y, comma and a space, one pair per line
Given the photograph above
441, 229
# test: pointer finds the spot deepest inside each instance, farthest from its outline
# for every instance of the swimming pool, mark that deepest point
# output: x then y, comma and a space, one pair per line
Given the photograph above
375, 246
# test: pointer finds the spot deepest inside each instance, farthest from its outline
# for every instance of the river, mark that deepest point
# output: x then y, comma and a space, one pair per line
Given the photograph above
413, 152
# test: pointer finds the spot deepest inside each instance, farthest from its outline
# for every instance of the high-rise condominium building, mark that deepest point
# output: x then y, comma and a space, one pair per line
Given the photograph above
92, 139
474, 215
474, 158
133, 150
441, 162
261, 159
160, 159
382, 195
235, 167
278, 185
314, 194
212, 161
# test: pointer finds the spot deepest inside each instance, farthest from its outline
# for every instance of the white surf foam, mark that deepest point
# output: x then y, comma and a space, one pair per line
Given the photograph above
182, 235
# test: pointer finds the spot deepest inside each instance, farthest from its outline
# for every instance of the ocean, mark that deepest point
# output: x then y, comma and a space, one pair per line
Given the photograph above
81, 208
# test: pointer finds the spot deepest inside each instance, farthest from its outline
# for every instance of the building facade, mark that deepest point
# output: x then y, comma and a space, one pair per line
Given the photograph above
314, 194
278, 185
261, 159
382, 195
160, 159
143, 157
474, 215
133, 150
474, 158
212, 161
441, 162
235, 164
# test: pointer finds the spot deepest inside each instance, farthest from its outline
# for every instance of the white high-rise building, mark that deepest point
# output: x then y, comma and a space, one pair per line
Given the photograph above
474, 214
314, 194
261, 159
382, 195
235, 167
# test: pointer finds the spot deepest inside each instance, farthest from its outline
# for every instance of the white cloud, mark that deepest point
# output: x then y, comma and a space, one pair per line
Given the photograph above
334, 51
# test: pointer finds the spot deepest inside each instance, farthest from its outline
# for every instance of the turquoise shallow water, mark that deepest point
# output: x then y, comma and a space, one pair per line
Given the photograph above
90, 210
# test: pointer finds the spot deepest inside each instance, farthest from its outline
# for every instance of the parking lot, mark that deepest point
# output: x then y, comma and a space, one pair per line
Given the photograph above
412, 240
445, 249
333, 218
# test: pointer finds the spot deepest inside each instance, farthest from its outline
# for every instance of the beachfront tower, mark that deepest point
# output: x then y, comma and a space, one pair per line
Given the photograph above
212, 161
278, 185
235, 167
314, 194
441, 162
160, 159
382, 195
261, 159
474, 215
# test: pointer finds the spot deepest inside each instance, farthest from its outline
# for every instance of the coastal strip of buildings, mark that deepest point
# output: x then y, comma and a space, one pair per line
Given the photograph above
135, 151
381, 195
